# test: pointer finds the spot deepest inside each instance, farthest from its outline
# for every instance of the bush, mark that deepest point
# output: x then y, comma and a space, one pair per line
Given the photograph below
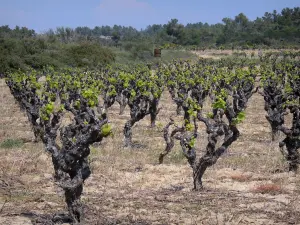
88, 54
37, 53
39, 61
141, 51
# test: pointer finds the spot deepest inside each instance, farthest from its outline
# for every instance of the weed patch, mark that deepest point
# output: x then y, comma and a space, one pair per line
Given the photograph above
11, 143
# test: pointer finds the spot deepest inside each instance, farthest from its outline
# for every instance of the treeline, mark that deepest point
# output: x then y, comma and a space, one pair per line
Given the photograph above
86, 47
271, 30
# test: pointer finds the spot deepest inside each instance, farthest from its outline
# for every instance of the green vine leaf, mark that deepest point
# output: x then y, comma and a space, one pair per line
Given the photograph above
106, 130
240, 118
219, 104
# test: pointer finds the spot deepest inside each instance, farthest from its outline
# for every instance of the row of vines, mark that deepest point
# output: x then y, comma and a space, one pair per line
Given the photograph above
46, 96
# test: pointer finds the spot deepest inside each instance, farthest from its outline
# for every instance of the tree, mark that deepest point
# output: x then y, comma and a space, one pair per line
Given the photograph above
174, 29
116, 37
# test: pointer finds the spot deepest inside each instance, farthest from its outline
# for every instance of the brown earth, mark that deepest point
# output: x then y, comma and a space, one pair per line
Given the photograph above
217, 54
248, 184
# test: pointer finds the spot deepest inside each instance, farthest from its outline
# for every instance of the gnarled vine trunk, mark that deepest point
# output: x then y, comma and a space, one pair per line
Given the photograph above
128, 133
154, 110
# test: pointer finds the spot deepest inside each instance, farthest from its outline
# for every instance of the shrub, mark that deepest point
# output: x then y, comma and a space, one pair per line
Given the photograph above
88, 54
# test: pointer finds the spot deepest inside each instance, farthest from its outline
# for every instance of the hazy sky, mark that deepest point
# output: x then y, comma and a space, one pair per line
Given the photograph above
44, 14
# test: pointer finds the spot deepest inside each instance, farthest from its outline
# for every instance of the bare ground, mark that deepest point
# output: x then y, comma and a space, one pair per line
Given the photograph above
248, 185
217, 54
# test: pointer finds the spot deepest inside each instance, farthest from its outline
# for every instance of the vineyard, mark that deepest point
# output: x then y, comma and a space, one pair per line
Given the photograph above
187, 142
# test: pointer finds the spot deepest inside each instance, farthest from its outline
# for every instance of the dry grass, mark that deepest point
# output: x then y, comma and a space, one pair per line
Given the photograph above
127, 186
241, 177
268, 189
217, 54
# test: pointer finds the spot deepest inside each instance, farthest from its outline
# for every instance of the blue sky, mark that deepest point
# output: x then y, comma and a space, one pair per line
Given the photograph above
44, 14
